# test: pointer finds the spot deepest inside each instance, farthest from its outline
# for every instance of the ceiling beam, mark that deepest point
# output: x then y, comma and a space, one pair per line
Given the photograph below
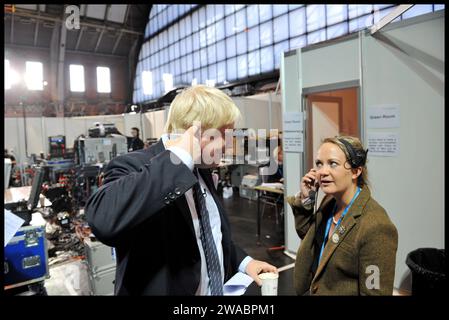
117, 42
390, 17
47, 17
11, 35
28, 47
99, 39
78, 41
36, 29
108, 7
128, 8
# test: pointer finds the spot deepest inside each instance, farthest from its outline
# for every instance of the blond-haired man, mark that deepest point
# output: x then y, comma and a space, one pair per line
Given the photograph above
160, 210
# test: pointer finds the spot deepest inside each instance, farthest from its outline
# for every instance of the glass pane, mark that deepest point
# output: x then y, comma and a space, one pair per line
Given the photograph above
337, 30
176, 31
211, 54
294, 6
298, 42
196, 60
336, 13
202, 17
212, 72
203, 57
196, 41
210, 8
238, 6
188, 25
253, 38
189, 44
279, 49
230, 25
219, 11
220, 30
438, 7
176, 49
183, 64
297, 22
416, 10
265, 12
281, 26
221, 72
241, 40
266, 34
231, 69
230, 47
202, 38
165, 38
242, 66
182, 49
221, 51
147, 82
210, 34
360, 23
76, 78
240, 20
266, 59
356, 10
254, 63
203, 75
195, 21
252, 15
315, 17
316, 36
177, 70
189, 62
229, 8
172, 52
279, 9
165, 17
34, 76
160, 42
164, 56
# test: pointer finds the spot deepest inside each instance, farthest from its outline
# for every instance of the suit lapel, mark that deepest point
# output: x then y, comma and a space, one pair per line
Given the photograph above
345, 227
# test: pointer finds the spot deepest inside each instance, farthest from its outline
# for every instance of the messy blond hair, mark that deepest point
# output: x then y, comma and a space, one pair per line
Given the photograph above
208, 105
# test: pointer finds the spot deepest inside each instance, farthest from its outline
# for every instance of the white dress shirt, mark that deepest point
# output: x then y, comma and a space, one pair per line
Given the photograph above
215, 221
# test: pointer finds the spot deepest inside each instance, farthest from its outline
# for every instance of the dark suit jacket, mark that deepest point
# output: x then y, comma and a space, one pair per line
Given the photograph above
141, 210
369, 239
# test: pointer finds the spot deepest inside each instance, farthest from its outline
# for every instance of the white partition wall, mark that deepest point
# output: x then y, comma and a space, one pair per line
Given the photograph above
404, 66
401, 66
291, 83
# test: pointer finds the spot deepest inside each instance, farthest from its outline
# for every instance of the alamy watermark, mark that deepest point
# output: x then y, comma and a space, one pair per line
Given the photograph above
234, 147
373, 280
72, 21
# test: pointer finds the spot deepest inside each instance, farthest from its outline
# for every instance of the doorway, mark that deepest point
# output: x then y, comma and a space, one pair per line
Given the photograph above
330, 113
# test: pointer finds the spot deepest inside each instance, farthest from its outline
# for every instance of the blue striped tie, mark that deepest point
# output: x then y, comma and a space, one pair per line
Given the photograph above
207, 240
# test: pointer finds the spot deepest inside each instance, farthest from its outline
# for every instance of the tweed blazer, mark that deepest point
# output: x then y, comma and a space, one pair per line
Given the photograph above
360, 261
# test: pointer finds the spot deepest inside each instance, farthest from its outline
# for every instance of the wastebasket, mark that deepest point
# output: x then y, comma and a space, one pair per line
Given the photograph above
428, 267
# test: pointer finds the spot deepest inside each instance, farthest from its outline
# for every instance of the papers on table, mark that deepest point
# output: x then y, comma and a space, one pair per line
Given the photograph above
12, 224
237, 285
274, 185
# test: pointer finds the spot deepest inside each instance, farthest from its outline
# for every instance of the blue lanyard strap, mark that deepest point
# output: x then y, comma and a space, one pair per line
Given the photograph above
329, 221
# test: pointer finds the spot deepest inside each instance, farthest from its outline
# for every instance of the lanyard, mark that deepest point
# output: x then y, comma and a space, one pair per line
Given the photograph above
329, 221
